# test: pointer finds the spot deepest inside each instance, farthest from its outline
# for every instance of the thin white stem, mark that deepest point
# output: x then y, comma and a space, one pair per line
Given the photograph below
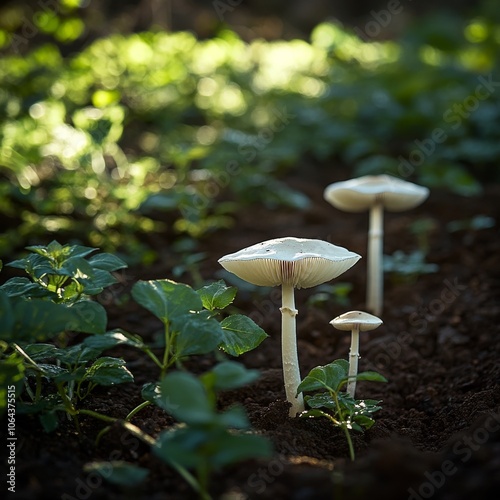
375, 285
353, 361
291, 372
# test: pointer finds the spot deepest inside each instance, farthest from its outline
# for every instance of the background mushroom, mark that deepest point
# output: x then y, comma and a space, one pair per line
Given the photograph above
374, 193
291, 263
355, 321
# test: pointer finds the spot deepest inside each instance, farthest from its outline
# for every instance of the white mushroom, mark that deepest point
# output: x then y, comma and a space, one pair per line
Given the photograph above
291, 263
355, 321
374, 193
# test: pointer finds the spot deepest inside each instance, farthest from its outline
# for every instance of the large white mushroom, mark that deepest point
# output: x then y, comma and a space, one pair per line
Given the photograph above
375, 193
291, 263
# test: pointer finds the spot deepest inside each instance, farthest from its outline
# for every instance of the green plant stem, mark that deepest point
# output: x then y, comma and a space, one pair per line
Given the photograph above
68, 405
344, 426
137, 409
153, 357
203, 474
97, 415
166, 352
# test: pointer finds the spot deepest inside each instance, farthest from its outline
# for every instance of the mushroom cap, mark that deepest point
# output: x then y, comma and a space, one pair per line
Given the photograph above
348, 320
357, 195
301, 262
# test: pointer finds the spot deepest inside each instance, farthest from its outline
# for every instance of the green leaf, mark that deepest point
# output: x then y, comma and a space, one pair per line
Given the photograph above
232, 448
88, 317
313, 414
41, 352
108, 371
151, 392
234, 418
217, 295
78, 268
77, 354
101, 279
49, 421
363, 421
23, 287
107, 262
185, 398
185, 446
118, 472
7, 318
229, 375
371, 376
329, 377
52, 371
198, 335
323, 400
112, 339
39, 319
166, 299
240, 334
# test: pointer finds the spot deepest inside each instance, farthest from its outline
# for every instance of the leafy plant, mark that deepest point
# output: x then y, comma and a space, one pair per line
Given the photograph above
329, 402
189, 322
206, 440
408, 266
54, 298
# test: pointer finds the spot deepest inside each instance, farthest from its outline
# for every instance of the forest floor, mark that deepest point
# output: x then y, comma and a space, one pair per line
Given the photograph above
438, 432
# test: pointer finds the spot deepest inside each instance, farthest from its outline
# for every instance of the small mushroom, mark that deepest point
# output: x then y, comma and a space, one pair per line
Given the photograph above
374, 193
291, 263
355, 321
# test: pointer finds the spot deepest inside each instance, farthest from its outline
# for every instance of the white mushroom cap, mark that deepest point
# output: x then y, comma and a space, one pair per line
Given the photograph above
303, 263
357, 195
348, 320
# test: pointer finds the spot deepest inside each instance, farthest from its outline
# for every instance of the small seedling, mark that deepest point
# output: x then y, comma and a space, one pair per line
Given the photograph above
339, 407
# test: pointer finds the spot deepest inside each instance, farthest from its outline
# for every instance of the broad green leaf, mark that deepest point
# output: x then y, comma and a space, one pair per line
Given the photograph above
363, 421
107, 262
49, 421
231, 448
39, 319
108, 371
41, 352
229, 375
88, 317
234, 418
77, 354
371, 376
7, 317
197, 335
240, 334
313, 414
51, 371
184, 446
118, 472
185, 398
151, 392
24, 287
166, 299
217, 295
112, 339
322, 400
100, 280
328, 377
78, 268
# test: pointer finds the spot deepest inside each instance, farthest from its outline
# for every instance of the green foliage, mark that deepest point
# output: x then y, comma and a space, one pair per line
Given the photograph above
118, 472
55, 297
208, 440
189, 325
341, 409
144, 132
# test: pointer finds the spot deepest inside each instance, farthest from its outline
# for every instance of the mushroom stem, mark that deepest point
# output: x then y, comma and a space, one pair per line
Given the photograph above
353, 361
375, 287
291, 372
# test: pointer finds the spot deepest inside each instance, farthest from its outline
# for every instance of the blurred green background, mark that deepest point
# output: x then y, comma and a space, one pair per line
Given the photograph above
120, 121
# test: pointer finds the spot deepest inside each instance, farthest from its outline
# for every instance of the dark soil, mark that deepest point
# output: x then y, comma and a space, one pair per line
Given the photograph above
438, 434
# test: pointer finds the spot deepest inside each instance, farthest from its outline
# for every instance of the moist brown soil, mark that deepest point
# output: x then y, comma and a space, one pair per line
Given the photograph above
438, 434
